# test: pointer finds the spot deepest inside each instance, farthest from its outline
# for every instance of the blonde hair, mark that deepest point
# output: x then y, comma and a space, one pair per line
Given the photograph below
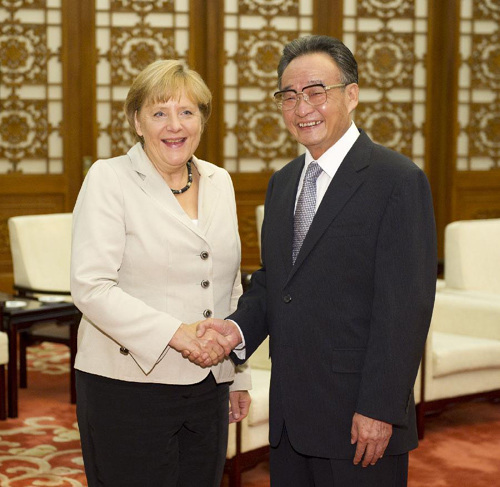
163, 80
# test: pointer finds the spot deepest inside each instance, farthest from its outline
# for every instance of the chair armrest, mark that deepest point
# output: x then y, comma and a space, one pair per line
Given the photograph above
31, 292
466, 314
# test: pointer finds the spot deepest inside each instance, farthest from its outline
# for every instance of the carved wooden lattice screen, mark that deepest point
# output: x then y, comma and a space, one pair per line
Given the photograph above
389, 41
476, 169
478, 146
33, 170
30, 87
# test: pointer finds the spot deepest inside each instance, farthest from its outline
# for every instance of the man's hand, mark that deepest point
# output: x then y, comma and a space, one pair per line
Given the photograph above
239, 404
372, 437
206, 351
226, 328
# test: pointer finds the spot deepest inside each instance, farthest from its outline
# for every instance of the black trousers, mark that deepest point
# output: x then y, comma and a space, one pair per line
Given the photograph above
137, 435
292, 469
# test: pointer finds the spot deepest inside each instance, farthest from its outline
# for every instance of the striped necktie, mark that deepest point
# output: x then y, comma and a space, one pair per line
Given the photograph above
306, 208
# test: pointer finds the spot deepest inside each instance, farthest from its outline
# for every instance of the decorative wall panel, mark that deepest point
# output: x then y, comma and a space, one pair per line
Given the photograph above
389, 41
129, 36
30, 87
478, 147
255, 32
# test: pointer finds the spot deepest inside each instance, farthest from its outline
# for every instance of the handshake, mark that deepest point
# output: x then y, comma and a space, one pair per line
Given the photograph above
206, 343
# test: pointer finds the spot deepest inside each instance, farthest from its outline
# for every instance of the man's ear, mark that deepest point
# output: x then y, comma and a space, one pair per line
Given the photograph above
352, 92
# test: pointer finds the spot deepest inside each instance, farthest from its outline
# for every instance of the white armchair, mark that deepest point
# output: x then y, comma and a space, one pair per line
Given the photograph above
248, 442
462, 352
41, 250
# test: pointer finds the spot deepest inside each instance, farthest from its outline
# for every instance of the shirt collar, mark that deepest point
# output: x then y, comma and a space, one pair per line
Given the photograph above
333, 157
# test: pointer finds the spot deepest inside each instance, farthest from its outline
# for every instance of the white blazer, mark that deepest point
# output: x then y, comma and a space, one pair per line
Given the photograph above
140, 267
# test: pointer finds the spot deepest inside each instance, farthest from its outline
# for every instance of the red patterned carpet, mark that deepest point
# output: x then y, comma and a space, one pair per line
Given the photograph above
461, 448
41, 448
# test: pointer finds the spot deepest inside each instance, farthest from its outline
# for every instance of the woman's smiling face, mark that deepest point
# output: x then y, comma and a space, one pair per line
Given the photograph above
171, 131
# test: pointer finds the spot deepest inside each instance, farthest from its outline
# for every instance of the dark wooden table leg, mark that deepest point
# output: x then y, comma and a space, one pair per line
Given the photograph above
3, 409
12, 372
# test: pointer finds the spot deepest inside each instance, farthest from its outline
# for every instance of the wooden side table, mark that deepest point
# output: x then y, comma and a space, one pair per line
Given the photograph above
15, 318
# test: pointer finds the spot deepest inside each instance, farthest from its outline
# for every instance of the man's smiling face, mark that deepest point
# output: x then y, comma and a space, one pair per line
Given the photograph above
318, 127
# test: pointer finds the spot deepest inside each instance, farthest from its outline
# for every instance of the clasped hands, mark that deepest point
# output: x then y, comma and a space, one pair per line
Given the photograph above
206, 343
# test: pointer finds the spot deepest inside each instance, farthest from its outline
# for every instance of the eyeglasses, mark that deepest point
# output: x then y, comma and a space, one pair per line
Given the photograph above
313, 94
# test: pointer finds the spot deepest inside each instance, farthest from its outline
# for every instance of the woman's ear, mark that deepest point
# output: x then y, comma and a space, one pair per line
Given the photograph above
137, 124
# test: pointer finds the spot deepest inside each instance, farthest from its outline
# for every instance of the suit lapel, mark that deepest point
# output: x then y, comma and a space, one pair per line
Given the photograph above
343, 185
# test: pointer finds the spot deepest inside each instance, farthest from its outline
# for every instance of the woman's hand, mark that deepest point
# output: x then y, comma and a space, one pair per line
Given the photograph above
204, 351
239, 404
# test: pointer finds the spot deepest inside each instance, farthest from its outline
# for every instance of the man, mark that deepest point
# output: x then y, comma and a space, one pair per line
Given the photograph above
348, 308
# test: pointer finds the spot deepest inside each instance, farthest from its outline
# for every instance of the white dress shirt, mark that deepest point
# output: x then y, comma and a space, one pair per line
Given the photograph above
329, 162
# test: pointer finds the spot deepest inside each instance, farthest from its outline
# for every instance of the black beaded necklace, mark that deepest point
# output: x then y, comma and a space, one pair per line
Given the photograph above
189, 183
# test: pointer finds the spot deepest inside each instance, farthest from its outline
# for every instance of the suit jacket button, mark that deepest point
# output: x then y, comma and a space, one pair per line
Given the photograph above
287, 298
205, 284
207, 313
204, 255
124, 351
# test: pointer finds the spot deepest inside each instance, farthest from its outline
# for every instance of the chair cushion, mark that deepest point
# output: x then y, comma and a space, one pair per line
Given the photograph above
4, 349
472, 255
259, 409
454, 353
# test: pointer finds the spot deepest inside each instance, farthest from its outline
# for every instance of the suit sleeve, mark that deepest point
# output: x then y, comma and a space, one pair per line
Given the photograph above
242, 373
252, 306
404, 291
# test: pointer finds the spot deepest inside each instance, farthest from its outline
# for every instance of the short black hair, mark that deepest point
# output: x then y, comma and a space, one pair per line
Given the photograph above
336, 49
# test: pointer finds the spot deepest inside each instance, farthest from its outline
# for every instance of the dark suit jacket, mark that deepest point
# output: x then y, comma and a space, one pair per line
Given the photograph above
348, 322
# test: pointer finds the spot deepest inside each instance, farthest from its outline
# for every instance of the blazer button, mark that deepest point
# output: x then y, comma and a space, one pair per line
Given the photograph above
205, 284
207, 313
204, 255
287, 298
124, 351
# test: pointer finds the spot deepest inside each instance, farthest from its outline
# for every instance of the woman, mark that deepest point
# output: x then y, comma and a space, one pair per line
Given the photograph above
155, 247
